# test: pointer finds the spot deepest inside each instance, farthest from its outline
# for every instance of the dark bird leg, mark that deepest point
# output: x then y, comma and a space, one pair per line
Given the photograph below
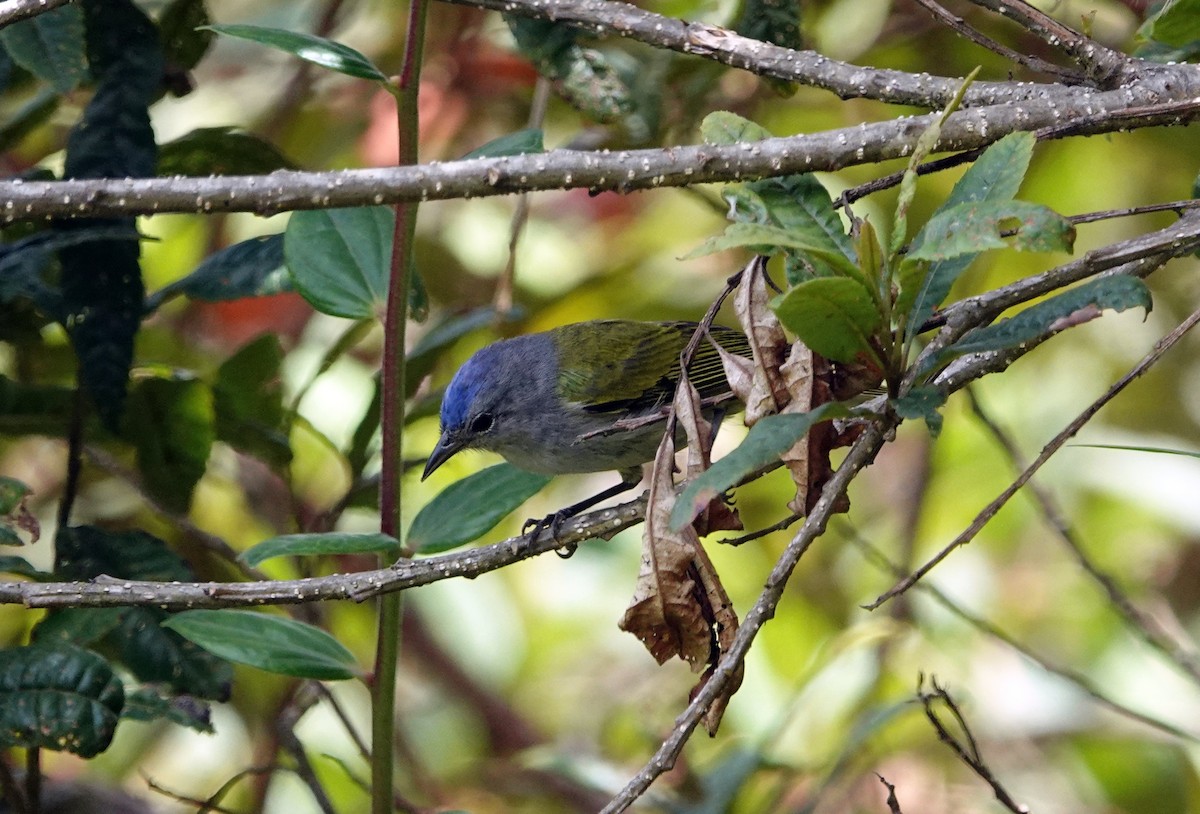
533, 526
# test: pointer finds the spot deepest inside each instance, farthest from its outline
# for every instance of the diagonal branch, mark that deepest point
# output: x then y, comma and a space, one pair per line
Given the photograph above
13, 11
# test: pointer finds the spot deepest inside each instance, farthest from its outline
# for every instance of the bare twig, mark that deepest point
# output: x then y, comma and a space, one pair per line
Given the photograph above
873, 555
893, 804
13, 11
968, 751
1180, 654
212, 802
989, 511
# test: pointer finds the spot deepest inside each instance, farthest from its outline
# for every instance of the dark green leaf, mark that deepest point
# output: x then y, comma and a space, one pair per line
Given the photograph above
584, 77
835, 316
153, 653
149, 705
248, 402
50, 46
518, 143
12, 494
220, 151
22, 567
270, 643
1079, 304
923, 403
318, 50
184, 39
86, 552
722, 127
27, 409
776, 22
339, 259
995, 176
468, 508
252, 268
1177, 23
330, 543
171, 421
766, 239
767, 440
970, 228
58, 697
77, 626
800, 204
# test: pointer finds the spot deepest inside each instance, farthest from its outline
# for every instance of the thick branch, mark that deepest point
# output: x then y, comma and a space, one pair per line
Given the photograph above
13, 11
623, 171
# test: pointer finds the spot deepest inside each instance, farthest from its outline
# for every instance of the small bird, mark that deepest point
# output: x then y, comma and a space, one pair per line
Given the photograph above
539, 400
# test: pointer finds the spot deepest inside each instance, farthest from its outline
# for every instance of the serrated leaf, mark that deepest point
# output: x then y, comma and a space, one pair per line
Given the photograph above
521, 142
248, 402
1078, 304
977, 226
251, 268
50, 46
767, 440
58, 697
835, 316
270, 643
1177, 23
86, 552
339, 259
722, 127
327, 544
184, 38
314, 49
471, 507
171, 422
149, 705
220, 151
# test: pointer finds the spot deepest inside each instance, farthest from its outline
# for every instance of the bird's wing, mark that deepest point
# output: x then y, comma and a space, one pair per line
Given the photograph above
628, 366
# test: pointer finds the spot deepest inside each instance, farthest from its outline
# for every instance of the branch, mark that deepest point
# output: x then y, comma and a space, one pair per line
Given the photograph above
1170, 99
13, 11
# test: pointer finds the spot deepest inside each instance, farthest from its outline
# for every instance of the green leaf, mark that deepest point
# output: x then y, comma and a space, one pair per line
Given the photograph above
184, 38
923, 403
1132, 448
1076, 305
78, 626
270, 643
147, 704
468, 508
171, 422
519, 143
29, 409
248, 402
776, 22
722, 127
22, 567
86, 552
330, 543
50, 46
252, 268
835, 316
58, 697
995, 176
765, 239
154, 653
12, 494
977, 226
220, 151
767, 440
1178, 23
339, 259
802, 205
317, 50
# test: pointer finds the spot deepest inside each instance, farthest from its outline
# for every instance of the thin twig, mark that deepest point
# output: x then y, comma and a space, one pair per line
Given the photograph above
212, 802
968, 753
763, 532
893, 804
1180, 654
873, 555
989, 511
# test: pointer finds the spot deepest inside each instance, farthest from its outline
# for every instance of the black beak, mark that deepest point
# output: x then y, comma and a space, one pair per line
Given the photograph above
447, 447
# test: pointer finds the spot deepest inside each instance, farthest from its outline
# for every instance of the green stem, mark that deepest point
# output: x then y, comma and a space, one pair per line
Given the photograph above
387, 646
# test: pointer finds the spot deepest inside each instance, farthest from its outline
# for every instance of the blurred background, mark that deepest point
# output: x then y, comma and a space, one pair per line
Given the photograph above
518, 693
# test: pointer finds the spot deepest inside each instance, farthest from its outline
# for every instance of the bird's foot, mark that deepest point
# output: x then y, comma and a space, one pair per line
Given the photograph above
535, 526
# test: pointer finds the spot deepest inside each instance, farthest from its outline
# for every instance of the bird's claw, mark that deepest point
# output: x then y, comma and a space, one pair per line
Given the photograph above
535, 526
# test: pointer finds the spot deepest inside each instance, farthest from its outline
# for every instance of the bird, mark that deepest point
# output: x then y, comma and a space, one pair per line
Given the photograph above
554, 402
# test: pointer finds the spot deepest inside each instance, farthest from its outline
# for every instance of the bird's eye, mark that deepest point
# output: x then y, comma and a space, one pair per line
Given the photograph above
482, 423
